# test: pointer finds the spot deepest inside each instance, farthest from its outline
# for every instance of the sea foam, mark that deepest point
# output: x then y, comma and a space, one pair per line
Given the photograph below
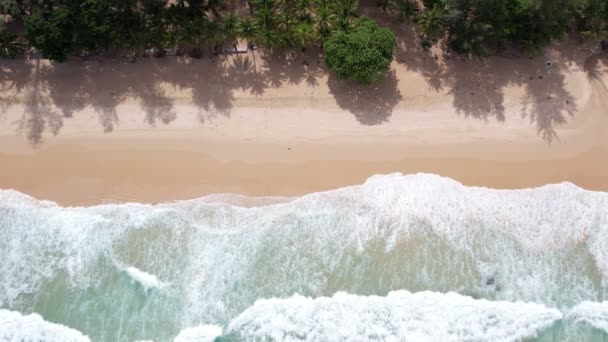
400, 316
146, 280
17, 327
592, 314
200, 333
547, 245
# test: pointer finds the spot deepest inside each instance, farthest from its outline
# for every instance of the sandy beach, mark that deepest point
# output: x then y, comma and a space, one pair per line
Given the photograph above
105, 130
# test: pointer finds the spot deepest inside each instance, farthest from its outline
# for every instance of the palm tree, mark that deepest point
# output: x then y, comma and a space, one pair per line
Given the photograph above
264, 18
9, 44
263, 4
469, 37
230, 28
214, 6
286, 21
385, 4
213, 33
285, 40
345, 11
531, 46
323, 21
594, 20
596, 30
406, 9
304, 34
303, 9
191, 33
248, 29
267, 37
180, 25
431, 22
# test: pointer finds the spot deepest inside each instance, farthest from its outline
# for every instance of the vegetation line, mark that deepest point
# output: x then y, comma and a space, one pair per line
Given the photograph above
355, 47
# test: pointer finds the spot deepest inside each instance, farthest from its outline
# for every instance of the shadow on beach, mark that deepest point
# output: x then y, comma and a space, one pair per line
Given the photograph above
477, 85
370, 104
52, 92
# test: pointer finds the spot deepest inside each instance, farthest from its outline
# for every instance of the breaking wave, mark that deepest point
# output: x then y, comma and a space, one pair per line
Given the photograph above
17, 327
213, 258
400, 316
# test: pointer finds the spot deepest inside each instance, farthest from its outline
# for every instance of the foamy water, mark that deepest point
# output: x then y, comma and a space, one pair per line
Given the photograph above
146, 280
415, 257
16, 327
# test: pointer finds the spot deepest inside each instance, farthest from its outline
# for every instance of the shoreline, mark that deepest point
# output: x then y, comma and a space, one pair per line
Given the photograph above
116, 175
94, 132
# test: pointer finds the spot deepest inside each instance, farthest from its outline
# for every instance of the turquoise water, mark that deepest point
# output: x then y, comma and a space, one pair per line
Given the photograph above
415, 257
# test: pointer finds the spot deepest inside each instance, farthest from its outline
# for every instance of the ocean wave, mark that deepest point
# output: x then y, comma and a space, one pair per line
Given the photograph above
146, 280
17, 327
201, 333
592, 314
400, 316
547, 245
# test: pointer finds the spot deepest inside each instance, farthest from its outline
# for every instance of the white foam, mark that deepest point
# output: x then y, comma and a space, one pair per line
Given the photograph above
419, 232
400, 316
237, 200
32, 328
591, 313
145, 279
201, 333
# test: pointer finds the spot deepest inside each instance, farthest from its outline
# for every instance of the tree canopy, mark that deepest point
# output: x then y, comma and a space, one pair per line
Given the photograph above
476, 26
362, 53
60, 28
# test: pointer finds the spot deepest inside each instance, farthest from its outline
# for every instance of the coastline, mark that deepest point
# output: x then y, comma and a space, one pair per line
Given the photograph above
106, 140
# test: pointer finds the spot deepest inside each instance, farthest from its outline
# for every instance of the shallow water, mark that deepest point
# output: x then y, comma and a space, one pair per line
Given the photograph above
415, 257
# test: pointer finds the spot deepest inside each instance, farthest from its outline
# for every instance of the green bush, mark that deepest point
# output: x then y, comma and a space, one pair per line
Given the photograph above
363, 53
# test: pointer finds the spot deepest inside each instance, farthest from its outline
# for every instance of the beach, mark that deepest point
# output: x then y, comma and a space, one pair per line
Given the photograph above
310, 203
105, 130
171, 181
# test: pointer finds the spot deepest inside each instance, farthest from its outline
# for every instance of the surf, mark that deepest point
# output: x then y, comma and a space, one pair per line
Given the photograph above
207, 261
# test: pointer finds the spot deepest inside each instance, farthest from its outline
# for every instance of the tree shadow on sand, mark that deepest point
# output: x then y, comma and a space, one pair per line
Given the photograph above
595, 66
14, 77
38, 113
51, 93
477, 86
371, 104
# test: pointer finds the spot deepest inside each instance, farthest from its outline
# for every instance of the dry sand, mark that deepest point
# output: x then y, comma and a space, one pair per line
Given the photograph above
96, 131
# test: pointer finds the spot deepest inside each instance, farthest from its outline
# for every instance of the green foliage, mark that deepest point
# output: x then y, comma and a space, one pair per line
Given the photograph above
93, 24
248, 29
304, 34
406, 9
154, 23
69, 26
9, 44
230, 28
363, 53
594, 23
51, 32
323, 19
127, 27
10, 7
59, 28
476, 26
403, 9
431, 21
345, 11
